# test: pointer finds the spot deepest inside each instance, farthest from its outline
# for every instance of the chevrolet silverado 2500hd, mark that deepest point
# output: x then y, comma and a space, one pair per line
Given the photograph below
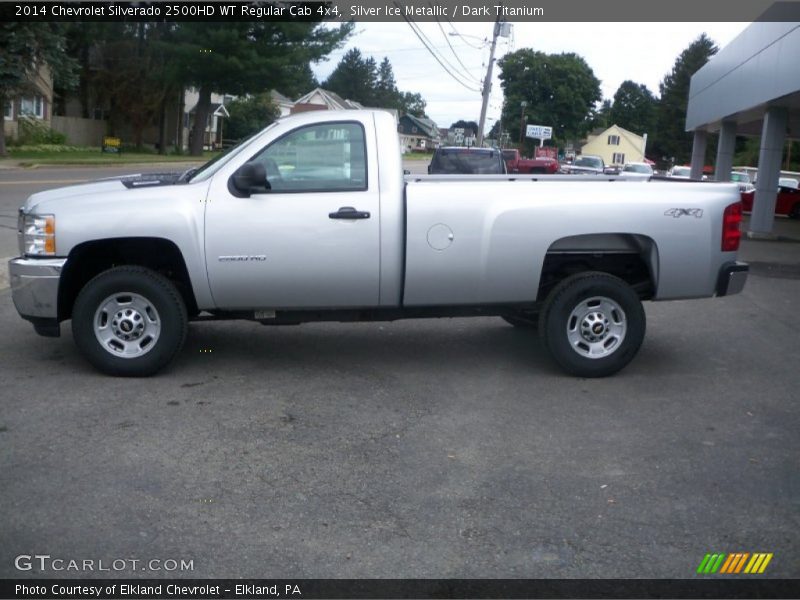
312, 219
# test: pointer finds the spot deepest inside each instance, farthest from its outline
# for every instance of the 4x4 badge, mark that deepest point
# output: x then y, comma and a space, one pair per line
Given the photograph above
679, 212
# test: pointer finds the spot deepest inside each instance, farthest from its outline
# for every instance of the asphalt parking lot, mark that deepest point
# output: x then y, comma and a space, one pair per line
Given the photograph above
442, 448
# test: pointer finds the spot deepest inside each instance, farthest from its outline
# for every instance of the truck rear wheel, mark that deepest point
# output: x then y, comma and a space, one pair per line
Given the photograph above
129, 321
592, 324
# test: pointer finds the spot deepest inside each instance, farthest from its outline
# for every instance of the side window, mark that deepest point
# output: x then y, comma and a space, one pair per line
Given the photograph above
320, 158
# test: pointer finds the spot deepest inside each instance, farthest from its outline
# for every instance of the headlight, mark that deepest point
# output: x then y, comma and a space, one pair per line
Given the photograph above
39, 235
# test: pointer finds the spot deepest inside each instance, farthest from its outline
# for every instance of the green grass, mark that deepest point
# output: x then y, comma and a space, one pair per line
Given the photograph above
417, 156
93, 156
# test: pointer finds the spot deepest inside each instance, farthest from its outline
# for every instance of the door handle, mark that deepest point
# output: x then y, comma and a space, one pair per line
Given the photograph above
348, 212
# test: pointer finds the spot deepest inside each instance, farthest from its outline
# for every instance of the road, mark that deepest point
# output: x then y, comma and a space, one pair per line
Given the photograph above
442, 448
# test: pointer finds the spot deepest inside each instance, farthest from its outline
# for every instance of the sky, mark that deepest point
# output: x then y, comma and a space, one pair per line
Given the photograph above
642, 52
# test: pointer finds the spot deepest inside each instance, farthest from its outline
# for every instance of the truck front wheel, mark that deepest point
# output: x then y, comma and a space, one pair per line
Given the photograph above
592, 324
129, 321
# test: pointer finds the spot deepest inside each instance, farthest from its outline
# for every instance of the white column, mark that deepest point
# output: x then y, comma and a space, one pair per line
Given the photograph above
699, 153
725, 149
773, 135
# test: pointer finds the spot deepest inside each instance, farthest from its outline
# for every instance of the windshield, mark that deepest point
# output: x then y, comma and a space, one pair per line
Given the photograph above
740, 177
681, 171
215, 164
638, 169
788, 182
589, 161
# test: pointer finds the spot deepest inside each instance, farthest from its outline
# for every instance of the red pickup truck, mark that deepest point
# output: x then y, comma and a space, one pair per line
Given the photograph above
516, 164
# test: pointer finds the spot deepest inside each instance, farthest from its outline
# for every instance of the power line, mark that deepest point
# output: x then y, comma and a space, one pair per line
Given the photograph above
386, 52
447, 39
466, 76
425, 43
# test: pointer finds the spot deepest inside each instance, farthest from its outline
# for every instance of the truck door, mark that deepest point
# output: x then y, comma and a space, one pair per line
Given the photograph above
312, 239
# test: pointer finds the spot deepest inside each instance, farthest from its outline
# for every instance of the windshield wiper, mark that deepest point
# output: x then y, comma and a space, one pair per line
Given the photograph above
187, 174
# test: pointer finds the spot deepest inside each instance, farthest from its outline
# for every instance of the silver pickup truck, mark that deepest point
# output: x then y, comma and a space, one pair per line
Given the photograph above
313, 219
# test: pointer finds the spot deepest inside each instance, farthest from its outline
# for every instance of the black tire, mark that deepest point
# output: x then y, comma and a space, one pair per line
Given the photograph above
154, 306
522, 321
592, 313
795, 212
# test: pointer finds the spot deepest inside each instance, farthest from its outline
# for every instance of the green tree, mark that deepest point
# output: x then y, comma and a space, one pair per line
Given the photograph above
358, 78
24, 46
412, 104
634, 108
130, 68
561, 91
355, 78
303, 82
249, 57
671, 139
249, 115
80, 40
386, 92
137, 72
470, 127
602, 116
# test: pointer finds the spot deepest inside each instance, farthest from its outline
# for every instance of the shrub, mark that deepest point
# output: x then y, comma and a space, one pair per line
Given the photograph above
33, 132
249, 115
51, 148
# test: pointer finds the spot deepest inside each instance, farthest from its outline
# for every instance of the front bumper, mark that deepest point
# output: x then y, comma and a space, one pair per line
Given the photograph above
732, 277
34, 289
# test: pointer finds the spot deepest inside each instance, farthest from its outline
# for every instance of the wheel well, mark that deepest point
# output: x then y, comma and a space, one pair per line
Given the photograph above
89, 259
632, 258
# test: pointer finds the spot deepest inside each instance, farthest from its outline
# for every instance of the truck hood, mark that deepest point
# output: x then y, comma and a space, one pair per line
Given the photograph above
115, 187
583, 170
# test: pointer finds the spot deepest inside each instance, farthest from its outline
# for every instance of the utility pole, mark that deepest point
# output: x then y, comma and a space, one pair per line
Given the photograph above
487, 83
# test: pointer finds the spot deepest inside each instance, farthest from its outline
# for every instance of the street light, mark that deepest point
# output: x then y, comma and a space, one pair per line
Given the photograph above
522, 104
484, 42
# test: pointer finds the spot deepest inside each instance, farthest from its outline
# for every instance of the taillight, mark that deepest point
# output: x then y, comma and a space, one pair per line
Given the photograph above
731, 219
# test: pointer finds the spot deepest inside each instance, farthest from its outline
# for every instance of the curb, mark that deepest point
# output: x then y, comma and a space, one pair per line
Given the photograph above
4, 283
760, 236
25, 165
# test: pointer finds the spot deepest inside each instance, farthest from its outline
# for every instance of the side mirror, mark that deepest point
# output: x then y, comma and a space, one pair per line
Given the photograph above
250, 177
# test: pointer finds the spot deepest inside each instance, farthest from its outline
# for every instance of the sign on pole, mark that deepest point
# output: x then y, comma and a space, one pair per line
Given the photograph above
540, 132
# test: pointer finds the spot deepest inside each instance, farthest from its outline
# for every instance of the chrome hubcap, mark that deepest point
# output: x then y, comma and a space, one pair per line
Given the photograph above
127, 325
596, 327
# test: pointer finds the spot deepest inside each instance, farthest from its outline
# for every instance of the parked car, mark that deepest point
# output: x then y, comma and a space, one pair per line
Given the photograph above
637, 170
680, 172
132, 260
787, 202
743, 179
467, 161
585, 164
516, 164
